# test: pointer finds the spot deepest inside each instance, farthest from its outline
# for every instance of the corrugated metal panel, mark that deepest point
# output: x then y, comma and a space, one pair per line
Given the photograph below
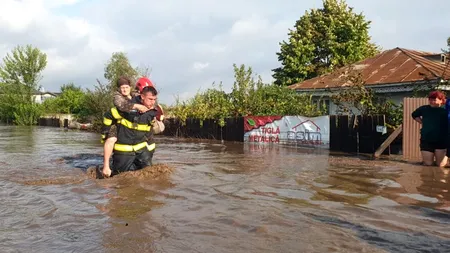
411, 129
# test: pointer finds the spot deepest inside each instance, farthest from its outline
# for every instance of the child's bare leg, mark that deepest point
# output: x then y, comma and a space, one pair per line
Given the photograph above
108, 149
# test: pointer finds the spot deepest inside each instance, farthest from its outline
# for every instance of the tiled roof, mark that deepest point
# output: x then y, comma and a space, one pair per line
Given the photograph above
393, 66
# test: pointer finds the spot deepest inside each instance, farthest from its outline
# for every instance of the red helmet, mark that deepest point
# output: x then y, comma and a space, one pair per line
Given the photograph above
143, 82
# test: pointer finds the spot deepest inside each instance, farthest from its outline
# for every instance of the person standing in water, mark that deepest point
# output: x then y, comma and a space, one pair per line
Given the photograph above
135, 144
434, 131
122, 100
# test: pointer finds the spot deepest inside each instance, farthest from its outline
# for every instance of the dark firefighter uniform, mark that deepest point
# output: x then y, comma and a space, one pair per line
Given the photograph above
135, 144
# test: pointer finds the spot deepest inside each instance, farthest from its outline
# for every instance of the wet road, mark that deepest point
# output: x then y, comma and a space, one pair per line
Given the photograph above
219, 198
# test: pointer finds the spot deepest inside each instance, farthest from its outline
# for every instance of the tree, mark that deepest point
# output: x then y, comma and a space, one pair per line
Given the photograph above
97, 102
323, 40
22, 68
243, 85
20, 74
71, 100
447, 51
118, 66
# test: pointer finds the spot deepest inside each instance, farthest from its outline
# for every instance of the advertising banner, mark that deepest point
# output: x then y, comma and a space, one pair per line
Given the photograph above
290, 130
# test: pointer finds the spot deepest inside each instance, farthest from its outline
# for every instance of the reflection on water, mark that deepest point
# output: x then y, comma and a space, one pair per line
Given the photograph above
220, 198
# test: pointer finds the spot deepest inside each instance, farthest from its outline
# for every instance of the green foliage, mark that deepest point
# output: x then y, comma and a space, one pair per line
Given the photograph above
10, 98
243, 85
27, 114
20, 74
447, 51
97, 102
355, 96
23, 67
392, 111
72, 98
422, 90
117, 66
72, 101
210, 104
100, 99
249, 96
277, 100
52, 105
323, 40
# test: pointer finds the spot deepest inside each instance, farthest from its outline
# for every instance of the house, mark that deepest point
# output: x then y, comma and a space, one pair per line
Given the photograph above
394, 73
40, 96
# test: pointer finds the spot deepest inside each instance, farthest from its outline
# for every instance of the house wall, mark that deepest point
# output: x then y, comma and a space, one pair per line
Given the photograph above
37, 99
397, 98
334, 109
42, 97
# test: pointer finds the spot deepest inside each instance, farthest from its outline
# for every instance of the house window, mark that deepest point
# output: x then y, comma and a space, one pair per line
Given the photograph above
327, 105
320, 103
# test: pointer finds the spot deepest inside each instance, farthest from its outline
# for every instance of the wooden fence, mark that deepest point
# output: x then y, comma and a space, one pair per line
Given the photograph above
358, 134
232, 131
349, 134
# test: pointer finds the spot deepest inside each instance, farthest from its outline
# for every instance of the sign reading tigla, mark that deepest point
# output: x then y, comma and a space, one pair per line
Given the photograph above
291, 130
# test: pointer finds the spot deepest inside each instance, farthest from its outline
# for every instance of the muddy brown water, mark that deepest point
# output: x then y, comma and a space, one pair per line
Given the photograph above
219, 197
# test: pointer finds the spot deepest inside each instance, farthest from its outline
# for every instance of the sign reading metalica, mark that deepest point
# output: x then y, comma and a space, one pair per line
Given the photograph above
291, 130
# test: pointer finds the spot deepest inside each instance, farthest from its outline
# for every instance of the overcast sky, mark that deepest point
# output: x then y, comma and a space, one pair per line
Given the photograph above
189, 44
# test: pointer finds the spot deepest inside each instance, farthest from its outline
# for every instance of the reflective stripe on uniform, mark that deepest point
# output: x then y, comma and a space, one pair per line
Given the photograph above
131, 148
126, 123
134, 126
107, 121
115, 113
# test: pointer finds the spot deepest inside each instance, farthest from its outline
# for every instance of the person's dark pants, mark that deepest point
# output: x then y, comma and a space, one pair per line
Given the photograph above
432, 146
130, 161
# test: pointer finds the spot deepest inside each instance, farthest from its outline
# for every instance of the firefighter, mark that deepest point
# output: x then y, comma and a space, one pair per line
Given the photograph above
135, 143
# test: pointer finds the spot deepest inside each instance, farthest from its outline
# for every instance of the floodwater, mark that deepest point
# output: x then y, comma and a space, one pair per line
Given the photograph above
220, 197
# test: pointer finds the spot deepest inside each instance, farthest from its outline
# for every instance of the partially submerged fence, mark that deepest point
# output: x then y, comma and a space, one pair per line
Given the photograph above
359, 134
208, 129
350, 134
